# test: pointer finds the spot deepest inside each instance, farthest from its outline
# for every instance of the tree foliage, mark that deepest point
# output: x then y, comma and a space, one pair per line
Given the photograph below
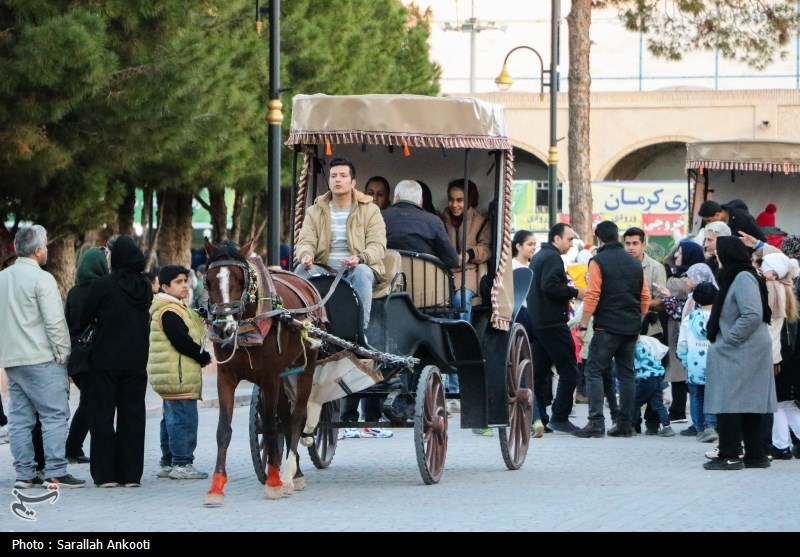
751, 31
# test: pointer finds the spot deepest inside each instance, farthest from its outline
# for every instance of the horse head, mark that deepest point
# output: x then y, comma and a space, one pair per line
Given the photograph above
229, 281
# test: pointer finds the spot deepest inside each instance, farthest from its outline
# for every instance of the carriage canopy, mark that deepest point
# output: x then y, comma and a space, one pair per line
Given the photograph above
420, 132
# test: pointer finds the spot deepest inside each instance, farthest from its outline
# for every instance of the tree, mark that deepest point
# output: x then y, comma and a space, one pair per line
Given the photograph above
750, 31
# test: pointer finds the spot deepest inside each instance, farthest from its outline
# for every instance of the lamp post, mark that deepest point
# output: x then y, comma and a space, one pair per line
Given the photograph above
274, 120
504, 81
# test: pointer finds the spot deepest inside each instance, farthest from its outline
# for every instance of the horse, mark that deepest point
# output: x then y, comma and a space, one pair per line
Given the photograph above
254, 341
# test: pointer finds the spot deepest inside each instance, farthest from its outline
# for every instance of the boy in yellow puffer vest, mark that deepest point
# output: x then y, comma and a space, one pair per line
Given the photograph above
174, 368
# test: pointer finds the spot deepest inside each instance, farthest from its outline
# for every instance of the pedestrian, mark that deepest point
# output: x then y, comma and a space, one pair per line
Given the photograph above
734, 213
740, 382
552, 344
92, 265
34, 348
118, 305
649, 381
174, 366
617, 298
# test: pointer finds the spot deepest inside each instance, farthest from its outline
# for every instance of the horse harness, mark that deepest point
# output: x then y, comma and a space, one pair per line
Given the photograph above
259, 288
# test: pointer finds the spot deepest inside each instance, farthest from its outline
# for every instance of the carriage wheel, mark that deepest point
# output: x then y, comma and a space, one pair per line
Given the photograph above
325, 437
515, 438
430, 425
258, 446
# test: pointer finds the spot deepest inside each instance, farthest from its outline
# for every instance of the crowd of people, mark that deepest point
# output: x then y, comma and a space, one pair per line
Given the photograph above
619, 329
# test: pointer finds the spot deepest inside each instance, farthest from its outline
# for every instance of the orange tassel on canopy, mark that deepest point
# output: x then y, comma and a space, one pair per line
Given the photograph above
328, 150
406, 152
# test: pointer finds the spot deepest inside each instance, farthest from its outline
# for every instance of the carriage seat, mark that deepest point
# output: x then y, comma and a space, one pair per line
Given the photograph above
428, 281
391, 262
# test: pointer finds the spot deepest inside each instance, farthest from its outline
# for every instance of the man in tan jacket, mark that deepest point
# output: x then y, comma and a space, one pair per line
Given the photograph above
344, 227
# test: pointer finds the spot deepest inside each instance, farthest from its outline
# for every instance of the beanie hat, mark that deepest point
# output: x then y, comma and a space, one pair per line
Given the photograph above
168, 273
777, 262
767, 217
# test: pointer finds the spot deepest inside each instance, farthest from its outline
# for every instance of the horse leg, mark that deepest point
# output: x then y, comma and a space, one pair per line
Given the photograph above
273, 487
226, 386
299, 421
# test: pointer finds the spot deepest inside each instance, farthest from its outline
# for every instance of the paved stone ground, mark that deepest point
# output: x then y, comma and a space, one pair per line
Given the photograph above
641, 484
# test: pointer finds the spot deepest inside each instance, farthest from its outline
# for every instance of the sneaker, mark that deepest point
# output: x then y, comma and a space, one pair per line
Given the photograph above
766, 463
588, 431
4, 435
562, 427
29, 484
618, 431
164, 472
351, 433
187, 472
368, 432
679, 421
67, 480
487, 432
133, 484
651, 430
708, 435
690, 431
666, 431
538, 429
547, 429
108, 485
714, 453
724, 464
780, 454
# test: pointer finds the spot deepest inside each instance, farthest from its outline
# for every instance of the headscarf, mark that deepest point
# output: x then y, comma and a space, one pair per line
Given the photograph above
698, 274
91, 265
691, 253
127, 266
734, 257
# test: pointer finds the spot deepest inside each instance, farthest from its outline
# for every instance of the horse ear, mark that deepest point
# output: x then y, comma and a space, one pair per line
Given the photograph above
211, 248
245, 248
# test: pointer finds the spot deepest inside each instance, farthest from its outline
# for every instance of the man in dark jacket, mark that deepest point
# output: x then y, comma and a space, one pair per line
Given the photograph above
409, 227
733, 213
548, 305
618, 298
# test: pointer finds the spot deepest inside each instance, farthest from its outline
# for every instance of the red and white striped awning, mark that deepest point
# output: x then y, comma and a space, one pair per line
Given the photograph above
744, 154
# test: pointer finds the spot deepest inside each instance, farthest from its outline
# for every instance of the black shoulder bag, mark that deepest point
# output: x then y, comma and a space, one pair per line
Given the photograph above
79, 357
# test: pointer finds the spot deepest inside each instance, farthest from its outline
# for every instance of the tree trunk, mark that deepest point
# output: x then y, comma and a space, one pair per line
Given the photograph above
61, 261
125, 214
580, 80
236, 217
175, 230
219, 215
147, 208
151, 261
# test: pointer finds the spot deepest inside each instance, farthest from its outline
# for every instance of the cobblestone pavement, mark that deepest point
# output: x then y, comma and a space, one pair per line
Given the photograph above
640, 484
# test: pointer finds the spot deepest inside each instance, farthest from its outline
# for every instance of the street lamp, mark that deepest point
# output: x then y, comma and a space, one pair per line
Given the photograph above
274, 120
504, 81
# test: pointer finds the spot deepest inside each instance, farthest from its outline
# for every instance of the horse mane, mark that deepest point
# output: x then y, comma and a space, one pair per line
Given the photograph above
228, 250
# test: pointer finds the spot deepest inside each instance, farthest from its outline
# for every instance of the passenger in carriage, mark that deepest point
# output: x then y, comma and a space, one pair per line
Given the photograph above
378, 188
345, 227
409, 227
472, 253
427, 198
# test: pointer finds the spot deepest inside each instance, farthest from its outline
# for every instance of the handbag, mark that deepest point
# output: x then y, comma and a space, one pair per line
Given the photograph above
79, 357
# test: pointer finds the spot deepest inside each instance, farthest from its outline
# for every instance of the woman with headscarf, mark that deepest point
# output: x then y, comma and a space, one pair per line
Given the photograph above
740, 383
118, 305
91, 265
471, 235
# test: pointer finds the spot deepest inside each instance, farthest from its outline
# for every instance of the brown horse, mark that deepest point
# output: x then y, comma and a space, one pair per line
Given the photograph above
252, 343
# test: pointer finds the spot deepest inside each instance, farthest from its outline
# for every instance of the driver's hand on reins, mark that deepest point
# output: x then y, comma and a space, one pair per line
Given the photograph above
307, 260
351, 262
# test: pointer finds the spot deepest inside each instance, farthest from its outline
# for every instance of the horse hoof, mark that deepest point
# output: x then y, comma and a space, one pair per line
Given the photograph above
214, 500
273, 493
287, 489
300, 483
306, 441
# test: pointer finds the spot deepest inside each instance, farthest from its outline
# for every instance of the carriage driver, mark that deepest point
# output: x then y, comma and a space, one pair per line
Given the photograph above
344, 227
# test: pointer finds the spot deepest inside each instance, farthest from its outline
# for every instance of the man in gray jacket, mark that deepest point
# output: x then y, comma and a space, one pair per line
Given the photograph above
34, 347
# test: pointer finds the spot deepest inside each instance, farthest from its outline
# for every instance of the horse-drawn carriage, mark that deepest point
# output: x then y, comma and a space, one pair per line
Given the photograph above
413, 335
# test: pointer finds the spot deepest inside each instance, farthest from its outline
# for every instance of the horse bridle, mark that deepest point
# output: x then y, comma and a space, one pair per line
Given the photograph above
218, 312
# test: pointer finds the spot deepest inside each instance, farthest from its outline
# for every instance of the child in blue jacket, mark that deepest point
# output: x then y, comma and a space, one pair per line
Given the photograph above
649, 382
